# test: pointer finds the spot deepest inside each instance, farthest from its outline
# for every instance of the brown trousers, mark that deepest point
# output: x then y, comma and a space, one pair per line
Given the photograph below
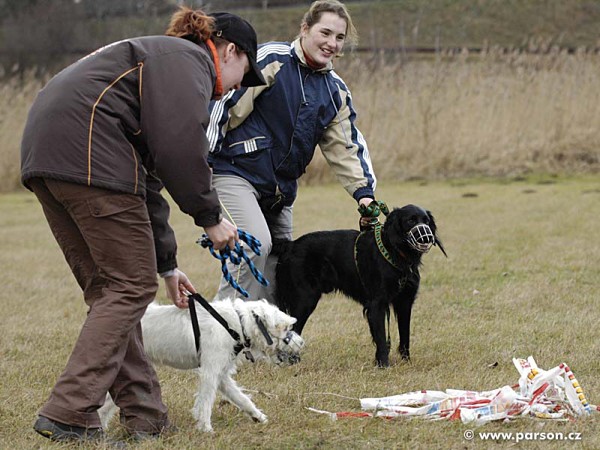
107, 240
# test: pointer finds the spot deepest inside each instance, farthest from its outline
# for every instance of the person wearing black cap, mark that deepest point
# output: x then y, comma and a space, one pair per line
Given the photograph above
232, 28
263, 138
101, 140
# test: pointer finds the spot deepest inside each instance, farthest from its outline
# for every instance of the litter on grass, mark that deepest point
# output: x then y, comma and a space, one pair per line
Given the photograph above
544, 394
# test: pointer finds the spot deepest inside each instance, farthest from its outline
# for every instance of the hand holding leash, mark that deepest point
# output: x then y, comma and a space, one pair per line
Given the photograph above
369, 214
236, 255
222, 235
178, 288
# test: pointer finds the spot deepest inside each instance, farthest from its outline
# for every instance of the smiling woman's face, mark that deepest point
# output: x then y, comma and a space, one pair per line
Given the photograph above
325, 39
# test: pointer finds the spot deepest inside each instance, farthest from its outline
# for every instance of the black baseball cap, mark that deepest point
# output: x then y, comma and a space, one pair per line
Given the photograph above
235, 29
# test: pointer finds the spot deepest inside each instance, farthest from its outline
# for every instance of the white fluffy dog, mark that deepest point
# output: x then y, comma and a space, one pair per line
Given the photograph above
169, 339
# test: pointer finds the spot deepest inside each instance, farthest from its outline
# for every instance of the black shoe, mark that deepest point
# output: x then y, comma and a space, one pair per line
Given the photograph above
61, 432
57, 431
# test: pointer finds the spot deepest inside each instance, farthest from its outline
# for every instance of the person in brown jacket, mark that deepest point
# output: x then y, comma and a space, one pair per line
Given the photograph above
101, 140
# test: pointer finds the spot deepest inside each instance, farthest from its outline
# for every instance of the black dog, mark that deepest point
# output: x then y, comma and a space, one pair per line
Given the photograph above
376, 268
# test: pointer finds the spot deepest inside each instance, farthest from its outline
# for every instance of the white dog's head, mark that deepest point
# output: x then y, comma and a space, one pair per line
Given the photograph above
271, 334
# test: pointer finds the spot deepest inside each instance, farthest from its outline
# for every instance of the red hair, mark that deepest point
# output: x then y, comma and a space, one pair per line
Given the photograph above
191, 24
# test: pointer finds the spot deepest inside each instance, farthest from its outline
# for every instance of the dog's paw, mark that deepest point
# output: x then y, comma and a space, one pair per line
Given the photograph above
204, 427
404, 353
261, 418
382, 364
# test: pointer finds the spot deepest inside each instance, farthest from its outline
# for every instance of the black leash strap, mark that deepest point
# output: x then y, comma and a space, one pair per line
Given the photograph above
263, 329
195, 326
198, 298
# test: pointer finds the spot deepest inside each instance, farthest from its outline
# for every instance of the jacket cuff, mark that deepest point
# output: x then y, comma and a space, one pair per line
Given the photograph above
168, 273
363, 192
166, 265
209, 219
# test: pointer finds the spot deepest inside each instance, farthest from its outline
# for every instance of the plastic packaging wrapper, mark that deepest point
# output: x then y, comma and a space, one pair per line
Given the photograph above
543, 394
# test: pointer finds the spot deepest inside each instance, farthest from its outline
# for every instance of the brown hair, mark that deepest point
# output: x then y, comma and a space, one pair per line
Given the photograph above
313, 15
191, 24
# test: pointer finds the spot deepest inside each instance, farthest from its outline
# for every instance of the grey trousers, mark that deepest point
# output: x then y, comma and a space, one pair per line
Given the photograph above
239, 200
107, 241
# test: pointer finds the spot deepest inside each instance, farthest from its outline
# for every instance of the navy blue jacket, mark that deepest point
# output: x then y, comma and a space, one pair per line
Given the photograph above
268, 134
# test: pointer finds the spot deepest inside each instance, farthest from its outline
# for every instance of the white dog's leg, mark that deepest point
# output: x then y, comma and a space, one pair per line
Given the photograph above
107, 411
208, 383
232, 393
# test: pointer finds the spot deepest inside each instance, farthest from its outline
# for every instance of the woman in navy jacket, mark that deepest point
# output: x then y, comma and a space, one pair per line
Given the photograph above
263, 138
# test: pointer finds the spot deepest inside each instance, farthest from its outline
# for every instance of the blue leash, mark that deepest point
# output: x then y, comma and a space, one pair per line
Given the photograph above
236, 256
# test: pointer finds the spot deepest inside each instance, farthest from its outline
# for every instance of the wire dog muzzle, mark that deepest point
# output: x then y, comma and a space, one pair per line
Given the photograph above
421, 238
294, 341
290, 353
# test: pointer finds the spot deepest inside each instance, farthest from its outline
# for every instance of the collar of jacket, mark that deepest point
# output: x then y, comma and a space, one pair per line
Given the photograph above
298, 53
218, 91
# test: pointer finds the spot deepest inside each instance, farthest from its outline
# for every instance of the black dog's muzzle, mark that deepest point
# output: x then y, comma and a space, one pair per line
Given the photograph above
290, 352
421, 238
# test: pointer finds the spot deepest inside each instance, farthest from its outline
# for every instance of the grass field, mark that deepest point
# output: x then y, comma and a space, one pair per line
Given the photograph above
521, 279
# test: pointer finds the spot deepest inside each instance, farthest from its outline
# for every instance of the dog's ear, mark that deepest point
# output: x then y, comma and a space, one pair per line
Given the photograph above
275, 319
433, 227
286, 322
394, 228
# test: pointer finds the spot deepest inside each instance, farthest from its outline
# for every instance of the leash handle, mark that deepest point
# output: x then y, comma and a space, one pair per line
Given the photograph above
236, 256
372, 212
375, 208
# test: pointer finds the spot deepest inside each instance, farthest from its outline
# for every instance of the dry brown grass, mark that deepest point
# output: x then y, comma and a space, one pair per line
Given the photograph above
16, 96
491, 114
